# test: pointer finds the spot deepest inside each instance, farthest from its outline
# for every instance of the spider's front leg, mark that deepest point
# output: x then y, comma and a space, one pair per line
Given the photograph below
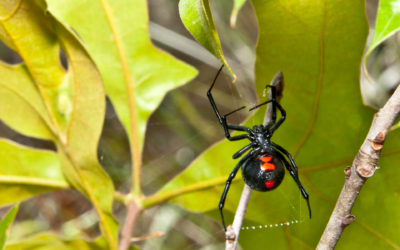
275, 105
222, 118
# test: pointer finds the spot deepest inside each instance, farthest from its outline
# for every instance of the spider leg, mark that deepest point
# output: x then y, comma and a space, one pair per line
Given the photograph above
292, 169
281, 120
261, 104
273, 97
288, 155
228, 184
275, 105
222, 119
273, 100
235, 127
242, 151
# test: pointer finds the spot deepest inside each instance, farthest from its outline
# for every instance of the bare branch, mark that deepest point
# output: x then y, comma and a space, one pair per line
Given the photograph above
364, 166
130, 219
232, 232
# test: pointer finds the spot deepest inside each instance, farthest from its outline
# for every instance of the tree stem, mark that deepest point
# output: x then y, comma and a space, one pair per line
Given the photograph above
132, 212
364, 166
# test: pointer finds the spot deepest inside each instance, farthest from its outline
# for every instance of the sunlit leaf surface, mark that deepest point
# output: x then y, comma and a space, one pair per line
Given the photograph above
5, 224
136, 75
65, 106
48, 241
21, 106
318, 47
79, 156
26, 172
387, 22
237, 5
197, 17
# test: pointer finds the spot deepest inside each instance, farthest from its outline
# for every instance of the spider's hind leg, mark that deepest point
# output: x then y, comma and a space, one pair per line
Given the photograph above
228, 185
292, 169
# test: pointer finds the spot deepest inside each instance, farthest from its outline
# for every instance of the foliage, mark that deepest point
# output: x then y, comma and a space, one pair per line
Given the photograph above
198, 19
43, 100
387, 22
5, 224
318, 47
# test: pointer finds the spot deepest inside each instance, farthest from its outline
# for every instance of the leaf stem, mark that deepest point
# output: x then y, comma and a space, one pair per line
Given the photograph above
135, 149
364, 166
24, 180
120, 197
160, 198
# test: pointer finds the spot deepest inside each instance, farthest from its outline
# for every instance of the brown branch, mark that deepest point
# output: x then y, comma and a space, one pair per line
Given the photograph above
232, 232
364, 166
132, 212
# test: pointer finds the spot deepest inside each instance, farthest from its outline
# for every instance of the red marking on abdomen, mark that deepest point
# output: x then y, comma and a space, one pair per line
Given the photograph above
270, 184
267, 165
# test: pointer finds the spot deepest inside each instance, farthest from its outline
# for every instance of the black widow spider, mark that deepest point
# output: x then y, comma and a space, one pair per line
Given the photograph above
262, 166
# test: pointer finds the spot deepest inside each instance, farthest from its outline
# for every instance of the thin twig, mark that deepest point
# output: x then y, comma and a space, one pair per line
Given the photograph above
132, 212
146, 237
364, 166
232, 232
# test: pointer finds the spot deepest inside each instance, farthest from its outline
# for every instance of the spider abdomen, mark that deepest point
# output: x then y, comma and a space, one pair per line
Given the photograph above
263, 172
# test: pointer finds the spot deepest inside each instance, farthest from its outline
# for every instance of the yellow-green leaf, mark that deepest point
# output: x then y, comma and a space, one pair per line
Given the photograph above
136, 75
5, 224
197, 17
21, 106
74, 101
386, 24
79, 153
237, 5
26, 172
25, 29
50, 241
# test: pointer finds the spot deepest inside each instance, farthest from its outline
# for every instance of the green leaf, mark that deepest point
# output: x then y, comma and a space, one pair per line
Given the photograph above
79, 155
26, 30
318, 46
21, 106
26, 172
74, 101
5, 224
136, 75
51, 241
386, 24
28, 33
237, 5
197, 17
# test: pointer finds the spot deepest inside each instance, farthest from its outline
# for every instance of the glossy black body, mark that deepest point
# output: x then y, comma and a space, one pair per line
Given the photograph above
256, 177
260, 145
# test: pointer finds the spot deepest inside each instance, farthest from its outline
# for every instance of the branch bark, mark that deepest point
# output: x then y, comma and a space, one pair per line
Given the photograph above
132, 212
364, 166
232, 232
